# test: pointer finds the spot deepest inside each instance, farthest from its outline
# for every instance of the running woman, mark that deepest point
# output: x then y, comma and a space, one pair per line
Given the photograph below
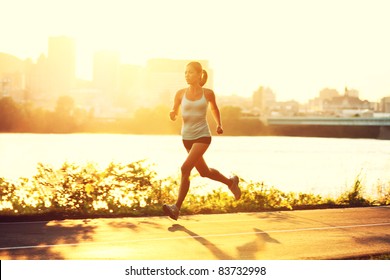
196, 135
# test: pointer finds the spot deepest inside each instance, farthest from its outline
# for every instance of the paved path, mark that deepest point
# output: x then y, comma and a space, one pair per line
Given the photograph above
309, 234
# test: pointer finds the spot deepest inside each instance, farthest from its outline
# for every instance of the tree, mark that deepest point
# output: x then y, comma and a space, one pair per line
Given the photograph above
230, 113
63, 120
9, 114
65, 106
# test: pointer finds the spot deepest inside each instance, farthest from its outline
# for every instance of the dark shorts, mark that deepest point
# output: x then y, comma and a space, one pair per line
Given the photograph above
204, 140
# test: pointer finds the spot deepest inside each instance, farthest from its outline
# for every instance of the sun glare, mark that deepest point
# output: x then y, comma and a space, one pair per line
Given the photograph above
297, 48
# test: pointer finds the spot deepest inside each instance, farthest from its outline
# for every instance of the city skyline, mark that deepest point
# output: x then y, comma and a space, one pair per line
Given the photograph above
115, 88
54, 74
296, 48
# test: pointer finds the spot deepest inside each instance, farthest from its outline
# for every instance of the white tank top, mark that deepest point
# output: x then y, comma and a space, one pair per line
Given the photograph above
194, 118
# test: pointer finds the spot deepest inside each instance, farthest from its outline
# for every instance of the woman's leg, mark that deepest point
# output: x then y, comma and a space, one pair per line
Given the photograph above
214, 174
211, 173
194, 155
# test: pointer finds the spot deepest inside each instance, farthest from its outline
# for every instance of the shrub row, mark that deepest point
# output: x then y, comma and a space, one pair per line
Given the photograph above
133, 189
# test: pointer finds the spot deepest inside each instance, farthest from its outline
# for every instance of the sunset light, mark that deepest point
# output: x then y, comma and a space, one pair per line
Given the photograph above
163, 134
296, 48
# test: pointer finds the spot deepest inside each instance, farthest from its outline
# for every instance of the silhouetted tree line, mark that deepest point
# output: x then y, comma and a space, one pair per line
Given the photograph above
67, 118
25, 117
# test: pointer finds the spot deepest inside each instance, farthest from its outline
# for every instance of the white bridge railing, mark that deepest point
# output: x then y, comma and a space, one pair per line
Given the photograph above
357, 121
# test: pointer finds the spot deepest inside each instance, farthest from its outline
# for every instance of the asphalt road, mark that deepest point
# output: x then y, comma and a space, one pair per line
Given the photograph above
291, 235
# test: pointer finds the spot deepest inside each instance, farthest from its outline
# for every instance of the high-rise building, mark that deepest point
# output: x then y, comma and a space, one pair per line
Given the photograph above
12, 76
61, 65
38, 78
106, 65
131, 84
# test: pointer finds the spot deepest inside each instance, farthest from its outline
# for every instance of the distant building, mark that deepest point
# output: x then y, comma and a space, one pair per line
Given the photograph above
351, 92
385, 104
330, 102
106, 66
131, 81
263, 100
286, 108
337, 104
12, 76
37, 79
61, 65
327, 94
316, 105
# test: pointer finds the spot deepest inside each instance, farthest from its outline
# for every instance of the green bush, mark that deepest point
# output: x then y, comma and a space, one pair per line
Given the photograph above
354, 197
133, 189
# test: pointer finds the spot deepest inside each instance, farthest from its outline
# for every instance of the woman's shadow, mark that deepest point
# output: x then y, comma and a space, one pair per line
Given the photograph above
246, 251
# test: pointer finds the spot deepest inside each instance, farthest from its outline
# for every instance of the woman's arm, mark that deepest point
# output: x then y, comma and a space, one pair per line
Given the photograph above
214, 109
176, 105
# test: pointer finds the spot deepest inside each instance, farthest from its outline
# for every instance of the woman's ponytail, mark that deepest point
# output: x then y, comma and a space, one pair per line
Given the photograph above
203, 79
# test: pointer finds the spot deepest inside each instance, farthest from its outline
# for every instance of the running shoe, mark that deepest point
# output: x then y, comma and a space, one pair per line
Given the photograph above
172, 211
235, 189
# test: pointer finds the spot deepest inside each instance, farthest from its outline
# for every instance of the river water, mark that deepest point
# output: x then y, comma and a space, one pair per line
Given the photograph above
326, 166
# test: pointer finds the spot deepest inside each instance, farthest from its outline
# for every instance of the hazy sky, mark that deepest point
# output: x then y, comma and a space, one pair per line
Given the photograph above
295, 47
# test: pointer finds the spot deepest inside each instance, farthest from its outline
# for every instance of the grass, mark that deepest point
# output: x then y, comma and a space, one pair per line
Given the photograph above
86, 191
